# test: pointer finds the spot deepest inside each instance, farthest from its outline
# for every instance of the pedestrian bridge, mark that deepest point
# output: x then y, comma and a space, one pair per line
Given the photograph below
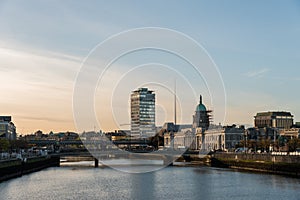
91, 142
167, 156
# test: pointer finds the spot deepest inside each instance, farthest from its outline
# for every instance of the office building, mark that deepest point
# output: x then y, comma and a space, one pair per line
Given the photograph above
281, 120
143, 113
7, 128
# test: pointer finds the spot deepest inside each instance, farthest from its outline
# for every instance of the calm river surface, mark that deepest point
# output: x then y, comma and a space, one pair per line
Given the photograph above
77, 182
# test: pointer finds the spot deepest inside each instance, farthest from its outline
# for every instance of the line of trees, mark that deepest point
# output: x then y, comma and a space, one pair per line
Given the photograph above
290, 145
293, 144
9, 145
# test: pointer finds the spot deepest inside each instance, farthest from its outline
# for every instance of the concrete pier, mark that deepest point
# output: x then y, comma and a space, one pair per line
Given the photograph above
17, 167
277, 164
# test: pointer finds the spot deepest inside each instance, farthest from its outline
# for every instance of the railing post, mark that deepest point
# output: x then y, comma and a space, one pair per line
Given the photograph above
96, 163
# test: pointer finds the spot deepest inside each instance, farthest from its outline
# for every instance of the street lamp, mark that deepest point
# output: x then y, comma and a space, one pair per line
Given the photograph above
245, 140
274, 139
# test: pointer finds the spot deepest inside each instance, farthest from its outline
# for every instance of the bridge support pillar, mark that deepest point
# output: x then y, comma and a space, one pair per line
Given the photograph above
96, 163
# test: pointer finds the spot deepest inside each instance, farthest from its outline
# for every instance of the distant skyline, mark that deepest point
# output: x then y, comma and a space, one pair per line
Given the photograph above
255, 45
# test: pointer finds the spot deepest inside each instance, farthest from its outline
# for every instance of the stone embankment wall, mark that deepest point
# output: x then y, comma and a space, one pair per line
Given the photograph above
279, 164
16, 167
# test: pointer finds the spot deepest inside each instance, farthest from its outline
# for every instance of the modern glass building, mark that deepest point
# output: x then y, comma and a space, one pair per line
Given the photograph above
7, 128
143, 113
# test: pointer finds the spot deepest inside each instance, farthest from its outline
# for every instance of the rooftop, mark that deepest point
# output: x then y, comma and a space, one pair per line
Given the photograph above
274, 113
145, 90
5, 118
201, 107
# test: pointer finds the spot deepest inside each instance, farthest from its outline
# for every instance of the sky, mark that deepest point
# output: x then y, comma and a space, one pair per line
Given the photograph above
43, 45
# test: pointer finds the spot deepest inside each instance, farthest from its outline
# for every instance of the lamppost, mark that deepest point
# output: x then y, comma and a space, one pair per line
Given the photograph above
274, 139
245, 141
172, 140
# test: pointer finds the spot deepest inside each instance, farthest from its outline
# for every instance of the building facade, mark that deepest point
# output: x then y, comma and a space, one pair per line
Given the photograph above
281, 120
270, 139
220, 138
290, 133
201, 118
7, 128
185, 139
143, 113
171, 127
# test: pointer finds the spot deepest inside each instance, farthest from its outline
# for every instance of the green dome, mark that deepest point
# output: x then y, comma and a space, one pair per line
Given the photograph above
201, 107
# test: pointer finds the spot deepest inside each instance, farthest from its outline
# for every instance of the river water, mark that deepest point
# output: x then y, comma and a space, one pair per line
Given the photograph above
175, 183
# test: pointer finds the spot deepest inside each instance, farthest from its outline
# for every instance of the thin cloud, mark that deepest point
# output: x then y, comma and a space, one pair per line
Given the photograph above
286, 78
258, 73
43, 118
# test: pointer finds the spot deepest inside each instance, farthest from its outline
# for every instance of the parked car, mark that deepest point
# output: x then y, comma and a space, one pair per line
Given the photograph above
241, 150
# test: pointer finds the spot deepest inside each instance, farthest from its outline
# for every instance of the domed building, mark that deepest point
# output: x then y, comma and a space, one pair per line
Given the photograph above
201, 119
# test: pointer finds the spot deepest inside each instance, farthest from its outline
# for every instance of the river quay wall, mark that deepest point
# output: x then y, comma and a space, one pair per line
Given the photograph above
277, 164
16, 167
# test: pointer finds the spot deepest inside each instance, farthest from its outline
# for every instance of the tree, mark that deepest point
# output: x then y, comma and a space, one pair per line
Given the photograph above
293, 144
18, 144
4, 144
156, 141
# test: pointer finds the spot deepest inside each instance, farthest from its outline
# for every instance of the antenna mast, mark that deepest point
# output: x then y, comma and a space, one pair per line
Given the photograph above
175, 103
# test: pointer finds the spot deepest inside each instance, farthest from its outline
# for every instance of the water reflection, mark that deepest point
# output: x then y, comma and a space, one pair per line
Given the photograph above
142, 186
174, 183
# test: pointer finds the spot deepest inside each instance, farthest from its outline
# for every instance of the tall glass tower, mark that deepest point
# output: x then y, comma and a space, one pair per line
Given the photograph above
143, 113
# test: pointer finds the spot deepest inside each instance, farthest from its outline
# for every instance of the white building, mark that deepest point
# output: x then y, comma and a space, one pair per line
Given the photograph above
290, 133
185, 139
220, 138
